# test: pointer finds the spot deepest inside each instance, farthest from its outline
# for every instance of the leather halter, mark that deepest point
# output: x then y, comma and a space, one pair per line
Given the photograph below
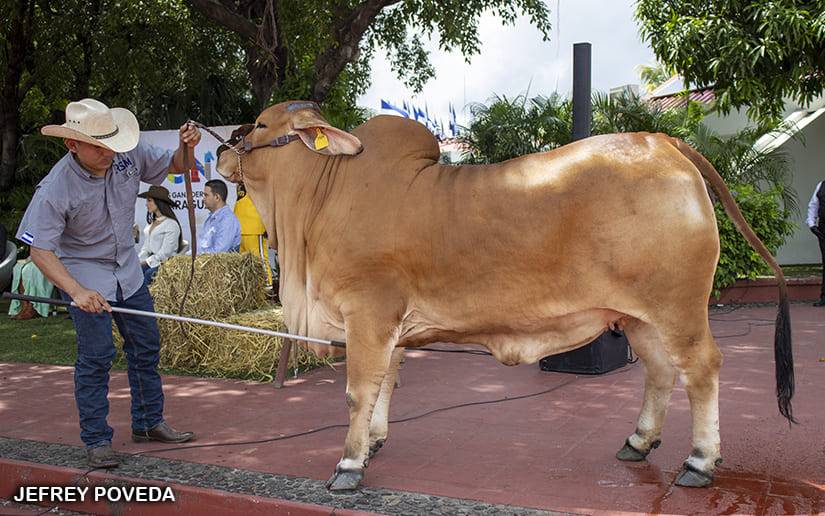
242, 146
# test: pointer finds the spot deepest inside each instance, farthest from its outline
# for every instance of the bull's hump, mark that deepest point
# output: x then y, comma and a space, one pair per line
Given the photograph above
397, 137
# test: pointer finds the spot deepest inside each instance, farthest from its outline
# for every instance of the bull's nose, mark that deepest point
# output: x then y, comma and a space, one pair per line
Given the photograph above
229, 176
221, 170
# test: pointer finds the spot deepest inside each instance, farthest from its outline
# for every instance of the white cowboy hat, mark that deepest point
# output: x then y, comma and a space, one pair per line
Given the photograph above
93, 122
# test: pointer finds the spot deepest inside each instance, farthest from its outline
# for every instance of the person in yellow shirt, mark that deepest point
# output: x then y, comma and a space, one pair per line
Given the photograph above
253, 232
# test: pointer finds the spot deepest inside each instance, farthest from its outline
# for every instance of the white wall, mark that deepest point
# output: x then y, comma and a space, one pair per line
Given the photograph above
727, 125
809, 168
808, 163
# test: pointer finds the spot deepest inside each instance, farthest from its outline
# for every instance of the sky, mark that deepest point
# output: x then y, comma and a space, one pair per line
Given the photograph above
514, 57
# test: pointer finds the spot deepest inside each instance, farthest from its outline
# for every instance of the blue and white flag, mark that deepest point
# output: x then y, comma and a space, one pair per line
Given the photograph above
453, 126
386, 105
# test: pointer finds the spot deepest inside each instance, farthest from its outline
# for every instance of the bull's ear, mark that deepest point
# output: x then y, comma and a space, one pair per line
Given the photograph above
320, 137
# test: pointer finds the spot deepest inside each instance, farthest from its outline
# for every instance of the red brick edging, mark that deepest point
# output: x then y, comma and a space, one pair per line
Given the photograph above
764, 290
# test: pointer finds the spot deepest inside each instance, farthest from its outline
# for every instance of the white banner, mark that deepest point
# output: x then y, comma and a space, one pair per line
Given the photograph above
206, 158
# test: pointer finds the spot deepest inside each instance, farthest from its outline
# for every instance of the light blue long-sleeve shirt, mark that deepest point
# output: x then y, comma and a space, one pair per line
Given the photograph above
221, 232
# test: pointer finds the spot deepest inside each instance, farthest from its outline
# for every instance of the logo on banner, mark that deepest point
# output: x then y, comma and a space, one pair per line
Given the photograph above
197, 171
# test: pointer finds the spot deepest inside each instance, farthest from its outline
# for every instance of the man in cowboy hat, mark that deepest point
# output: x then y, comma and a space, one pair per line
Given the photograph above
79, 227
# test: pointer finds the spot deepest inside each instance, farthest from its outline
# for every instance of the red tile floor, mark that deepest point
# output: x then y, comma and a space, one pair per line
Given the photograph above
554, 451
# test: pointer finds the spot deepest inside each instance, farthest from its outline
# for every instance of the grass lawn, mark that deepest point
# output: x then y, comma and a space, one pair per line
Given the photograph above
43, 341
49, 341
52, 341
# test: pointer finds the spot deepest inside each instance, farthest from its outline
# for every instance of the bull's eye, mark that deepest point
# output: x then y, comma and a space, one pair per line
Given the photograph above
260, 126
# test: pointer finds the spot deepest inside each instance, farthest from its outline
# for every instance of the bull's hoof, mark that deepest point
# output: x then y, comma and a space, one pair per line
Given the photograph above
374, 447
692, 477
631, 454
345, 480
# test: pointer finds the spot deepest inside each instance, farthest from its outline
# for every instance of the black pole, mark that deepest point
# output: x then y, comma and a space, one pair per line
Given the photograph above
581, 91
36, 299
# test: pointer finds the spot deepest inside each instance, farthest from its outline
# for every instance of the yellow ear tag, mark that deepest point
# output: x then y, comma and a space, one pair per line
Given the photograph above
321, 141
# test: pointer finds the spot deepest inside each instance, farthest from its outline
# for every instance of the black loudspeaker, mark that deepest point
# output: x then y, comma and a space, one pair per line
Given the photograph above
606, 353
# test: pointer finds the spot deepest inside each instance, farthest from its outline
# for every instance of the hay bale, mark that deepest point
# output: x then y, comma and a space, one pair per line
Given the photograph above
223, 285
227, 287
250, 355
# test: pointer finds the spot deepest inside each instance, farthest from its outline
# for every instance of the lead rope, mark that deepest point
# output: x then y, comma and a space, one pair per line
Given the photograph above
233, 148
190, 207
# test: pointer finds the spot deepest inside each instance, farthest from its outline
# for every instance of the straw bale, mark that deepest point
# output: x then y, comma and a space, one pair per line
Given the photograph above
250, 355
227, 287
223, 284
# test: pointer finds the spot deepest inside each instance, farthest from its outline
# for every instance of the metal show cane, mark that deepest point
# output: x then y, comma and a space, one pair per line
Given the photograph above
158, 315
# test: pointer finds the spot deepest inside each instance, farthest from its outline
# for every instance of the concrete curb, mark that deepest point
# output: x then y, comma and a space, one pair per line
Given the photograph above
201, 488
188, 499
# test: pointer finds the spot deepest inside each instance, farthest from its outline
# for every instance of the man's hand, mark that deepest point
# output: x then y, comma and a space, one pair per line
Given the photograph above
90, 301
189, 136
816, 231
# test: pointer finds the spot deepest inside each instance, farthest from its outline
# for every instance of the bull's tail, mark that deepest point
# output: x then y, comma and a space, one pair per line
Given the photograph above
783, 354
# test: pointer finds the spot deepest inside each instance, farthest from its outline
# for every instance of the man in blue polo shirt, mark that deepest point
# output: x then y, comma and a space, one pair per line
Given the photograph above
79, 227
221, 231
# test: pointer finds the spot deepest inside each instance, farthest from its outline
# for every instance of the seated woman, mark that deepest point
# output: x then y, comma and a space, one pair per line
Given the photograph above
28, 280
162, 235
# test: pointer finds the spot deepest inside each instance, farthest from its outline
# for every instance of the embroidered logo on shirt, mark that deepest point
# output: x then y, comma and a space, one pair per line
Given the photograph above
125, 163
27, 238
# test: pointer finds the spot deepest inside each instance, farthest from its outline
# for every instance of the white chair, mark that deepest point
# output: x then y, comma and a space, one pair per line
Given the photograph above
7, 266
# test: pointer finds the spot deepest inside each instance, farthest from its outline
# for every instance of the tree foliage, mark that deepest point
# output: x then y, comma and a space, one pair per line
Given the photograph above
305, 48
512, 127
754, 53
652, 76
217, 61
153, 57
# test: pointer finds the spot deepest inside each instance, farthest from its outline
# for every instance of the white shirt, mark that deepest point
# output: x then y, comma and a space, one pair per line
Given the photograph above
813, 206
161, 242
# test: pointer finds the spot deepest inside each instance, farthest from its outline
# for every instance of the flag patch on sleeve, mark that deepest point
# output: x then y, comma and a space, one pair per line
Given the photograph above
27, 238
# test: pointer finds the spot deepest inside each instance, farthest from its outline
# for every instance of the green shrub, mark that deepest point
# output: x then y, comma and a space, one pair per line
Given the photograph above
38, 154
771, 222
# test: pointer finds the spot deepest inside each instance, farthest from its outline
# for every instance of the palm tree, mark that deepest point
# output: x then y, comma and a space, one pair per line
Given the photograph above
629, 113
510, 127
740, 162
652, 76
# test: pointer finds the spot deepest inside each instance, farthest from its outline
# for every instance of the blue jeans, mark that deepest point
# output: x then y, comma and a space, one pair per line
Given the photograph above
149, 274
95, 352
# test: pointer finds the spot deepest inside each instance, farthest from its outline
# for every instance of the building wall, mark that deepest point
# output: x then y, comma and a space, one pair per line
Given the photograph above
727, 125
808, 162
809, 169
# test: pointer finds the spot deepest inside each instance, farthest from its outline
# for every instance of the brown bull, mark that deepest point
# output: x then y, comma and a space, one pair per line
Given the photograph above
382, 246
